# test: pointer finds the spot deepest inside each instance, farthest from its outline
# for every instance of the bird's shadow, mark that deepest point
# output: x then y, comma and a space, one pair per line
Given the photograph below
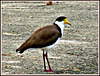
56, 72
59, 71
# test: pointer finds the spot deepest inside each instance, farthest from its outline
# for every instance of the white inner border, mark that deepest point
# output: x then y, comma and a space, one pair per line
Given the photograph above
49, 74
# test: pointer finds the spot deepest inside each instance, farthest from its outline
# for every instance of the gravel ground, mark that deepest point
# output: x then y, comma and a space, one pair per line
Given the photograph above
76, 53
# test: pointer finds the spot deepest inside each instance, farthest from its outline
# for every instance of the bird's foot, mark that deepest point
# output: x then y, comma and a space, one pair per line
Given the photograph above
50, 71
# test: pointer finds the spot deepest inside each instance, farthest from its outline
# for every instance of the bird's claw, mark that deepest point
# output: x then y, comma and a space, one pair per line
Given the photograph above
50, 71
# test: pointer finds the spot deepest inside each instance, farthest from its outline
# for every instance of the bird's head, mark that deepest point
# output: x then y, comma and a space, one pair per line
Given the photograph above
63, 19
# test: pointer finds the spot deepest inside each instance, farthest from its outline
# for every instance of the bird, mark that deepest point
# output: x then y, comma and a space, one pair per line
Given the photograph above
46, 38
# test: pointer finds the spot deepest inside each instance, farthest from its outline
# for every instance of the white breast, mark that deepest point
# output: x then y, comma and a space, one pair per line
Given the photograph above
61, 25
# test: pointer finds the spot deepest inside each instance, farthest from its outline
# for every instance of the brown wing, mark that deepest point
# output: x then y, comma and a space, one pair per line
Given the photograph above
43, 37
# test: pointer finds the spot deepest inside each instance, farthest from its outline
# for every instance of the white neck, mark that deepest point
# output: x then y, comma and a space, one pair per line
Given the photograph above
61, 25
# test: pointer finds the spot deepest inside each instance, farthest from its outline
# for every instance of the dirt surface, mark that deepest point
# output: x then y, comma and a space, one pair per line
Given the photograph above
76, 53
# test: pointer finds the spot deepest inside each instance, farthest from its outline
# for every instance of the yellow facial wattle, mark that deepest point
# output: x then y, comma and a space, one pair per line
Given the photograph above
66, 22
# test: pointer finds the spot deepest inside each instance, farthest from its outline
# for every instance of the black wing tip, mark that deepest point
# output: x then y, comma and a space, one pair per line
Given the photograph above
17, 50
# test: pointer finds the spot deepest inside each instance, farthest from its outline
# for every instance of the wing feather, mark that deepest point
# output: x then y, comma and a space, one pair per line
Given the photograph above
41, 38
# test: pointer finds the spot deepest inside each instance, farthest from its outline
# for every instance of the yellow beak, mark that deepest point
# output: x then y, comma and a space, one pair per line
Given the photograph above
66, 22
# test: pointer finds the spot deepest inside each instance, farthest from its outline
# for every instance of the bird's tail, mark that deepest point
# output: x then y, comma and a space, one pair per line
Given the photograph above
23, 47
19, 51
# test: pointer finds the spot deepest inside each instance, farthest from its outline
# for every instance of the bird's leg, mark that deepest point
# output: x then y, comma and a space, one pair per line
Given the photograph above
44, 61
50, 70
45, 55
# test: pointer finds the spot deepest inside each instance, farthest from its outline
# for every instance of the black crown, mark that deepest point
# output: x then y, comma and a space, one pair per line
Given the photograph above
61, 18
